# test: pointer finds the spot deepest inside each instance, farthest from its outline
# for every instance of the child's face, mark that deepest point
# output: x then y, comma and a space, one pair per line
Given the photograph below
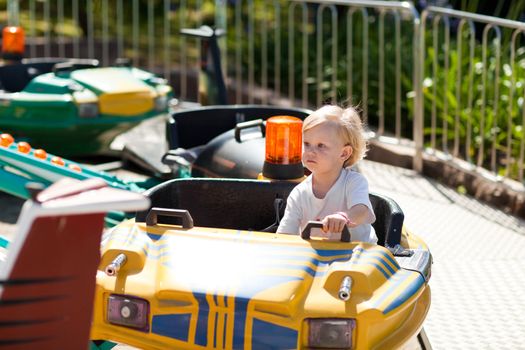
323, 149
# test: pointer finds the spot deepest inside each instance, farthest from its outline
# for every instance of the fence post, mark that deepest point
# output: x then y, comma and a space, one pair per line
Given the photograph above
12, 13
419, 56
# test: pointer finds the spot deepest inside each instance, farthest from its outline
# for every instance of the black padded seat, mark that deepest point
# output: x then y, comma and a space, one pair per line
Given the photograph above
222, 203
14, 77
389, 220
249, 205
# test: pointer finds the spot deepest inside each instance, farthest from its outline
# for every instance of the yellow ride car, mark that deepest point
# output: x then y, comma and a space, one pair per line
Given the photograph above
198, 271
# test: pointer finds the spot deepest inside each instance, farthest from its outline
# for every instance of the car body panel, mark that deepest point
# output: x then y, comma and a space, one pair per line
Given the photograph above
219, 288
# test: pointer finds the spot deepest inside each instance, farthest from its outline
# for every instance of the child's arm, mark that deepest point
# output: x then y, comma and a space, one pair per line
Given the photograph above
356, 216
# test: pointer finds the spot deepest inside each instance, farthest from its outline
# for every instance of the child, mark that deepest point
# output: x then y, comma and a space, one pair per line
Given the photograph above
333, 141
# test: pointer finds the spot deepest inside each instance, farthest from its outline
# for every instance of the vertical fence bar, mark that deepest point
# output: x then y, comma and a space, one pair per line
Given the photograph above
364, 67
418, 74
251, 48
305, 64
60, 28
264, 55
417, 83
446, 53
470, 94
510, 112
91, 32
136, 23
221, 21
433, 120
167, 37
459, 76
381, 68
105, 34
398, 73
76, 39
486, 30
13, 10
32, 31
238, 52
277, 49
198, 7
483, 98
47, 34
349, 53
120, 29
151, 36
494, 129
183, 10
319, 56
334, 54
291, 52
319, 51
522, 143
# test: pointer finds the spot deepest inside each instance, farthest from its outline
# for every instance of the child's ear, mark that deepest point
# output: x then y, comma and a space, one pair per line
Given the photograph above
347, 152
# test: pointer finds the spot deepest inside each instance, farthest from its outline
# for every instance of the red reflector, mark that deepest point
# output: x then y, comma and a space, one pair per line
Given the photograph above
6, 140
40, 153
57, 160
75, 167
24, 147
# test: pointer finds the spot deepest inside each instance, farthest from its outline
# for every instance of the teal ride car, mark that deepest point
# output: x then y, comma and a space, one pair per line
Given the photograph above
74, 107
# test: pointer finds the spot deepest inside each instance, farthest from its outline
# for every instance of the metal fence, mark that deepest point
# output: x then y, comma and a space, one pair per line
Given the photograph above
473, 90
450, 81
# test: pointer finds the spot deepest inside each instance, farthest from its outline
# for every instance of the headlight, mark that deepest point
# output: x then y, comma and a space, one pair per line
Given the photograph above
88, 110
330, 333
161, 103
128, 311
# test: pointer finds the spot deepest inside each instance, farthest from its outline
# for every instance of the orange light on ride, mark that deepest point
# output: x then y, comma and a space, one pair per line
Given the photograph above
24, 147
6, 140
75, 167
283, 148
40, 154
13, 42
57, 161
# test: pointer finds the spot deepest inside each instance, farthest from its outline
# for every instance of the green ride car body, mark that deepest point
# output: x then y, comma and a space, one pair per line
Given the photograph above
78, 111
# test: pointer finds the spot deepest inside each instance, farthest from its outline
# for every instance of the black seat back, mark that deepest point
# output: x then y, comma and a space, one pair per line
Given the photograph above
196, 127
389, 220
249, 205
222, 203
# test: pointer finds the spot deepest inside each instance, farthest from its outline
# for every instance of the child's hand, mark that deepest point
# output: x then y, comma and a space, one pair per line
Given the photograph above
334, 223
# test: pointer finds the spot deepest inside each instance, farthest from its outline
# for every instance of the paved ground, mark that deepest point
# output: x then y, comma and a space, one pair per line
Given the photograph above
478, 278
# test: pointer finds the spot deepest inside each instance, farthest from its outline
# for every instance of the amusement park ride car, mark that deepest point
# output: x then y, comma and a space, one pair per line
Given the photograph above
200, 267
72, 106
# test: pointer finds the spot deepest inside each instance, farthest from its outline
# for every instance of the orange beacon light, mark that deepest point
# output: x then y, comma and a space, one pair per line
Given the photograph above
13, 43
283, 148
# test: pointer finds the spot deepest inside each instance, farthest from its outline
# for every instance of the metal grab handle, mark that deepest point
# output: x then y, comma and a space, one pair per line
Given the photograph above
247, 125
345, 234
151, 218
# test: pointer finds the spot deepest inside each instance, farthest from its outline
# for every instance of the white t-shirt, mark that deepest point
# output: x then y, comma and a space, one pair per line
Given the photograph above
351, 188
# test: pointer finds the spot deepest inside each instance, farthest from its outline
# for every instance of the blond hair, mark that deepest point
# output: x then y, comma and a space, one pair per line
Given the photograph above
349, 125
